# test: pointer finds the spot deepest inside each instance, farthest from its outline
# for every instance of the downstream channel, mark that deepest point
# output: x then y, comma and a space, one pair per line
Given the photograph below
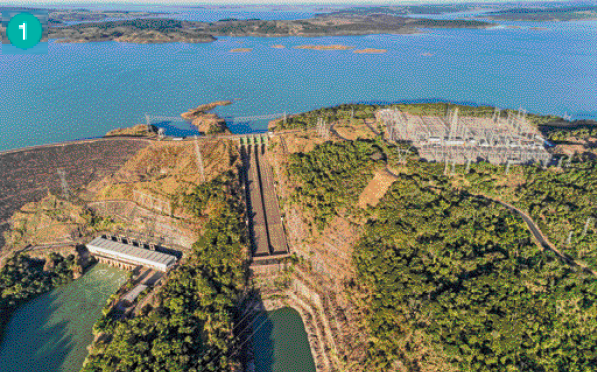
51, 333
281, 344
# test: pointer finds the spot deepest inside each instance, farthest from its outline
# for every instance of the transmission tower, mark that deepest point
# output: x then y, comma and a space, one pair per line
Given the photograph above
390, 132
323, 130
65, 189
569, 241
199, 159
453, 121
496, 115
147, 122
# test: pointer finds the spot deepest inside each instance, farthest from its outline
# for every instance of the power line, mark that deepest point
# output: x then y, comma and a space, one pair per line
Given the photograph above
65, 189
199, 159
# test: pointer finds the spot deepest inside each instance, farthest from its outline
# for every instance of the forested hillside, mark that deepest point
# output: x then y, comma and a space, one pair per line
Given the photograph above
455, 283
191, 328
559, 200
332, 176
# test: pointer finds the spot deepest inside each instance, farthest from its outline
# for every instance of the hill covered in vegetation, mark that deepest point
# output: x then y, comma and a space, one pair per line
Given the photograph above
191, 327
543, 14
455, 282
160, 30
447, 278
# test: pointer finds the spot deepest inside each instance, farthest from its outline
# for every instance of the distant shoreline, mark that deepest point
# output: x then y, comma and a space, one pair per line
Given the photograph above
165, 30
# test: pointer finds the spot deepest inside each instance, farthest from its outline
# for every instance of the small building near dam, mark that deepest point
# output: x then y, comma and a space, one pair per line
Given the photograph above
129, 255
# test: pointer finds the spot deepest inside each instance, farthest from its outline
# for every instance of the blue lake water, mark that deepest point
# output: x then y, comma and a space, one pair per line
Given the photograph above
84, 90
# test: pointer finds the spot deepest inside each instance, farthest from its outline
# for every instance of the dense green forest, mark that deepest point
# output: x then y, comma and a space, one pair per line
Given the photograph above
359, 112
332, 176
191, 329
22, 278
564, 135
559, 200
455, 283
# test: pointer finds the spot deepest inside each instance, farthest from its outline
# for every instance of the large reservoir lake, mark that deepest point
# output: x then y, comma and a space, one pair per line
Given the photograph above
84, 90
51, 333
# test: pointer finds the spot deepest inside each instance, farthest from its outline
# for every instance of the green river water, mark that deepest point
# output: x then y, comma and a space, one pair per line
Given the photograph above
281, 344
51, 333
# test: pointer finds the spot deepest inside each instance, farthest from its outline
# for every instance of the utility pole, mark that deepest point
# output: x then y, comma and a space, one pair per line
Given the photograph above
199, 159
584, 232
569, 160
65, 189
147, 122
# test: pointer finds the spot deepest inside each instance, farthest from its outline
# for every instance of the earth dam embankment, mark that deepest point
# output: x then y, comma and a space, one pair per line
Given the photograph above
26, 175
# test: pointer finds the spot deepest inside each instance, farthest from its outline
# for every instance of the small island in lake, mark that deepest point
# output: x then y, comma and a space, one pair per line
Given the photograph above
370, 51
241, 50
324, 47
207, 123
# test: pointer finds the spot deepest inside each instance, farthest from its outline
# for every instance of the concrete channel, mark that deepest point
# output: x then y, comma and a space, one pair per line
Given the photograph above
265, 221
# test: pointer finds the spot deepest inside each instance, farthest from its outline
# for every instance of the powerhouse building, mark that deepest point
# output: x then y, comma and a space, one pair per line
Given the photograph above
130, 255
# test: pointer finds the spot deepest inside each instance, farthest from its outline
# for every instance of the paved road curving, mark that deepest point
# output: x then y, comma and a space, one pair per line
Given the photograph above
538, 234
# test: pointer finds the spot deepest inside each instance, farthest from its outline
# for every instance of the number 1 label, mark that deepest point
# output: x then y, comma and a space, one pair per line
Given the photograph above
24, 30
23, 27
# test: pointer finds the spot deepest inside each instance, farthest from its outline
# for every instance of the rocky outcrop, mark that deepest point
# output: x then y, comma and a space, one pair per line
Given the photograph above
207, 123
139, 130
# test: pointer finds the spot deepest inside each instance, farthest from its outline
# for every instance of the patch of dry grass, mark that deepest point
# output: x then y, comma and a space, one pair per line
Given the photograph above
376, 189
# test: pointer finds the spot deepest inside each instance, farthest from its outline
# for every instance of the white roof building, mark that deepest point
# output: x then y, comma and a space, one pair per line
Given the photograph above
130, 254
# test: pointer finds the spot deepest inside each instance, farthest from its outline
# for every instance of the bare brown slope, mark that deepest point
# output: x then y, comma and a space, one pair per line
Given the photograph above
27, 176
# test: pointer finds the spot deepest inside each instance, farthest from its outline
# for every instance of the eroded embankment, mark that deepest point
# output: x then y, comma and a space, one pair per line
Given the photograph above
27, 175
